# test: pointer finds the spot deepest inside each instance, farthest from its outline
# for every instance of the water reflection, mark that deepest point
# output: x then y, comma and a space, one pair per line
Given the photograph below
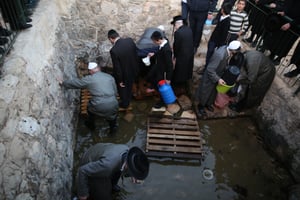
241, 168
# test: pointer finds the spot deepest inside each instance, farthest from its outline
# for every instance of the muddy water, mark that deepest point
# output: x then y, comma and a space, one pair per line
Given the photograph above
242, 168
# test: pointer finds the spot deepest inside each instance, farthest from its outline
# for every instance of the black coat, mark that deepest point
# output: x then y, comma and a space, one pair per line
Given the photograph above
163, 65
183, 52
125, 60
220, 33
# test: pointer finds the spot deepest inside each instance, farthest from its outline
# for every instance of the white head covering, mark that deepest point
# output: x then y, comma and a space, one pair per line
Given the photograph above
161, 27
92, 65
234, 45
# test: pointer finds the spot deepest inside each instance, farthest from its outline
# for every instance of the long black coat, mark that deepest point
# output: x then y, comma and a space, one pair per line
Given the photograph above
183, 52
163, 65
257, 75
125, 61
220, 33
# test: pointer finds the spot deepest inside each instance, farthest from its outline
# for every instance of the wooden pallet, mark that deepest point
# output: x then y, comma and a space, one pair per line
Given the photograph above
168, 136
85, 96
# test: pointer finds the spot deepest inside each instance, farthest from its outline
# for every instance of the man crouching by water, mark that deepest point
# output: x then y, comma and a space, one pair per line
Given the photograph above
103, 164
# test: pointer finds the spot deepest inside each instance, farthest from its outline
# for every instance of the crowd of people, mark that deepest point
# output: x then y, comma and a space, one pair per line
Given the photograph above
14, 16
247, 75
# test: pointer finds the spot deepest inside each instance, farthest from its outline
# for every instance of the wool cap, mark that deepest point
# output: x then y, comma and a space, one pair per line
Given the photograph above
234, 45
92, 65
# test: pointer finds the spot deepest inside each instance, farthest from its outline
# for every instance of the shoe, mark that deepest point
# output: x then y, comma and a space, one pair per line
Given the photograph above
28, 19
112, 126
201, 111
4, 32
234, 107
159, 105
276, 61
210, 108
90, 124
116, 188
25, 26
292, 73
3, 40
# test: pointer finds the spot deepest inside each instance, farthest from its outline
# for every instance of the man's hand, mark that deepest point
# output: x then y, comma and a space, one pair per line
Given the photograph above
122, 85
285, 27
221, 82
59, 80
83, 198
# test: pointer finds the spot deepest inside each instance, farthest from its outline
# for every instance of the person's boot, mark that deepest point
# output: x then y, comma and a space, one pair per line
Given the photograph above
292, 73
112, 125
90, 121
3, 40
201, 110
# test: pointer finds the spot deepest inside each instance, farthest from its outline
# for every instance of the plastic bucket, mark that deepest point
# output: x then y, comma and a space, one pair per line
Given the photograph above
224, 88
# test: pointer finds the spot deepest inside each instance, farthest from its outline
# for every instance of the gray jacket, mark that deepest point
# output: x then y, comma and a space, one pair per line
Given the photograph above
102, 160
103, 90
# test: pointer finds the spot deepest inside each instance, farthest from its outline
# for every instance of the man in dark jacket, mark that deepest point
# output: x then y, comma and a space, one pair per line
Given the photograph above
199, 11
103, 164
125, 65
162, 68
183, 55
255, 79
219, 35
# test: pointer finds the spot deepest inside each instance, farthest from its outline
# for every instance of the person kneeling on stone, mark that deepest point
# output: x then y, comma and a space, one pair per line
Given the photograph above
103, 90
103, 164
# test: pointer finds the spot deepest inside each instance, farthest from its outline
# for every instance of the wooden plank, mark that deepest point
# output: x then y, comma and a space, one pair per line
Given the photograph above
153, 153
178, 132
175, 149
177, 142
173, 127
174, 136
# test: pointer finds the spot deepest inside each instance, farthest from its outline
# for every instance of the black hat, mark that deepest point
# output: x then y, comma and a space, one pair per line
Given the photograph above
176, 18
138, 164
274, 22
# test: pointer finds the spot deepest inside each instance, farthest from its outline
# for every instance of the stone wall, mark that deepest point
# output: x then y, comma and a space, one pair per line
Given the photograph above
38, 118
279, 119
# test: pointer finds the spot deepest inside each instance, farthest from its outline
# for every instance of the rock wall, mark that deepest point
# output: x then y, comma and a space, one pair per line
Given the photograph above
279, 119
38, 118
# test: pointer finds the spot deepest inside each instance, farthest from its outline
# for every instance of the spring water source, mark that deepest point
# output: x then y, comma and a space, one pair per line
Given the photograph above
235, 165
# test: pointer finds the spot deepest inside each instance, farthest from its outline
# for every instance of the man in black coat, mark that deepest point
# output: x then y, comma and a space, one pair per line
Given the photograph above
219, 35
125, 65
199, 11
163, 67
183, 55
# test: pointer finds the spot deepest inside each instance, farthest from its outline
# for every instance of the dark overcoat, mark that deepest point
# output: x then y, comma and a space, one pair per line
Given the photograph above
125, 61
183, 52
257, 74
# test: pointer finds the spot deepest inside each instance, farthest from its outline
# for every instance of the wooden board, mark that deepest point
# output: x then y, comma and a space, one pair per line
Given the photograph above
168, 136
84, 100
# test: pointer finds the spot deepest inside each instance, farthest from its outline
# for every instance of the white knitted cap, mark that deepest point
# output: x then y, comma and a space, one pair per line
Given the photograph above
234, 45
92, 65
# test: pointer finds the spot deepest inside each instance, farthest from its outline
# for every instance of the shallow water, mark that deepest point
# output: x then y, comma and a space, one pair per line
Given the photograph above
242, 168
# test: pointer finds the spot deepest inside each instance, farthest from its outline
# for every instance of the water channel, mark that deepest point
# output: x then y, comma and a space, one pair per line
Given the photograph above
242, 168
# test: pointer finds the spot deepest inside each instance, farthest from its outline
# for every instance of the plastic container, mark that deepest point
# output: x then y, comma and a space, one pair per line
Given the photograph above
230, 75
224, 88
166, 92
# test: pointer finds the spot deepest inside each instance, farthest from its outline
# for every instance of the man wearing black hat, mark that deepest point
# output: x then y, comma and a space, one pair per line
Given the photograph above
183, 55
103, 164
